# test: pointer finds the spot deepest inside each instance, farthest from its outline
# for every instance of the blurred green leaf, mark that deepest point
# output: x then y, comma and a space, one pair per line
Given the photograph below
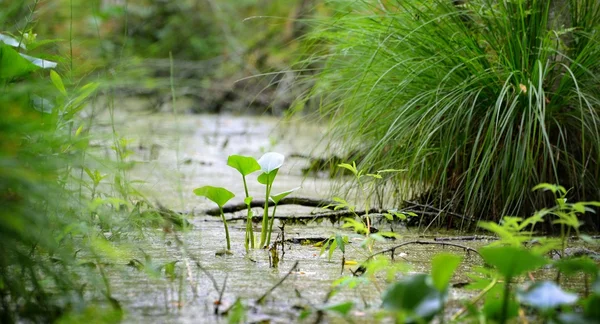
12, 64
512, 261
443, 266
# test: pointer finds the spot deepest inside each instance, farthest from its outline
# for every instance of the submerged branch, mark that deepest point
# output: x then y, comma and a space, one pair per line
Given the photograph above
302, 201
393, 249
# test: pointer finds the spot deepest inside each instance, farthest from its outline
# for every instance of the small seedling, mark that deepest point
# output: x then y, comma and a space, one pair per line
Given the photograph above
219, 196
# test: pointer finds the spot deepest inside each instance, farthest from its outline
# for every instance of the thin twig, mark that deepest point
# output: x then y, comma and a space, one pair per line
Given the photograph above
302, 201
218, 302
262, 298
393, 249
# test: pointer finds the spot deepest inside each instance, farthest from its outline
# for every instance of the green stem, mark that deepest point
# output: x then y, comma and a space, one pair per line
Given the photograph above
226, 228
249, 232
271, 226
505, 301
265, 220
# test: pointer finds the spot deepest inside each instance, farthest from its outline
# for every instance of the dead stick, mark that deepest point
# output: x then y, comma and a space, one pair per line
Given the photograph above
302, 201
262, 298
218, 303
466, 248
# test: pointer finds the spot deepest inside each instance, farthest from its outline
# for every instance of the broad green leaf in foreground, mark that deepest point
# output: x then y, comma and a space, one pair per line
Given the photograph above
442, 269
12, 64
512, 261
218, 195
414, 295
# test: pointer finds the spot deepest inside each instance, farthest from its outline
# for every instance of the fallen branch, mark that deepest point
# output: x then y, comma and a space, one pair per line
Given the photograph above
416, 204
262, 298
333, 216
393, 249
466, 238
302, 201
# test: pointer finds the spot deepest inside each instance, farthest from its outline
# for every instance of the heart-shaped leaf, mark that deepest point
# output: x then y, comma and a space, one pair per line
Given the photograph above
512, 261
276, 198
442, 269
267, 178
546, 295
244, 164
218, 195
271, 161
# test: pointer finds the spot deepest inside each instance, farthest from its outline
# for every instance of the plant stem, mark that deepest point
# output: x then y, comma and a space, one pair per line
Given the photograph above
505, 301
265, 220
249, 232
226, 228
271, 226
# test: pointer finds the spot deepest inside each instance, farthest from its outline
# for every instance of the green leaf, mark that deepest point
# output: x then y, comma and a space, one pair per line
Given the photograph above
492, 307
571, 266
244, 164
57, 81
332, 247
341, 308
443, 266
276, 198
416, 295
12, 64
267, 178
341, 242
170, 270
512, 261
271, 161
550, 187
352, 167
248, 200
546, 295
218, 195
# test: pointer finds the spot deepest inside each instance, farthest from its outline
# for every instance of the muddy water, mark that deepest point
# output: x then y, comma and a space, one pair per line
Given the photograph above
174, 155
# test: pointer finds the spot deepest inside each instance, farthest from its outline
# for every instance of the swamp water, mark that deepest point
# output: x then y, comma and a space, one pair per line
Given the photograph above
174, 155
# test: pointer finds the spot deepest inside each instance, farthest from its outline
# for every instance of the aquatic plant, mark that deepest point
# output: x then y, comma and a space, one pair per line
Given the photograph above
219, 196
276, 198
269, 163
422, 297
245, 166
480, 100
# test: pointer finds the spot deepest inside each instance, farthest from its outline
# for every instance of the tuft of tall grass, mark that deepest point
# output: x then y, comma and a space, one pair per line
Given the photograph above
480, 100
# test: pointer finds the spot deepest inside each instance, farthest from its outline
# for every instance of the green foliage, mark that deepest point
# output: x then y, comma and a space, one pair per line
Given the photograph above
512, 261
480, 101
219, 196
244, 164
443, 266
414, 297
